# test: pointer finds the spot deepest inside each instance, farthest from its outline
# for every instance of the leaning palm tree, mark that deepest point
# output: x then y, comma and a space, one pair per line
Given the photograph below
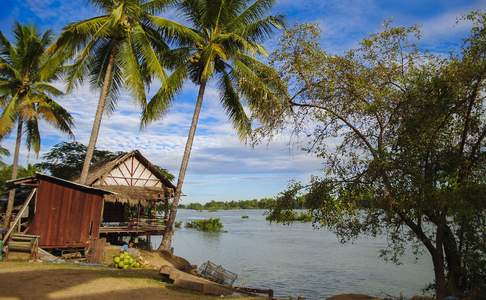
26, 94
225, 46
120, 48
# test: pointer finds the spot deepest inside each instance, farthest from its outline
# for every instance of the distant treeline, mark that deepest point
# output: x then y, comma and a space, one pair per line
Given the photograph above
264, 203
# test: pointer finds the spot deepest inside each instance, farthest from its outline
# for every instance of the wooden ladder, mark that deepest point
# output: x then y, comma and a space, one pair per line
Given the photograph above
18, 241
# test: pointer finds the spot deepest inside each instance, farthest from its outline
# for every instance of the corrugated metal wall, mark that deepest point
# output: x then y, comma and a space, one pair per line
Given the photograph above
65, 217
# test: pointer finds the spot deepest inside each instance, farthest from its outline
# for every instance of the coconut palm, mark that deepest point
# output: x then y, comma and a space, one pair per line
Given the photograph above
120, 48
26, 94
225, 46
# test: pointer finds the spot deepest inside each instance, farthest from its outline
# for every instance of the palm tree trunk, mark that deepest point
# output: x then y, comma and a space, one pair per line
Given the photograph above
107, 81
169, 229
11, 194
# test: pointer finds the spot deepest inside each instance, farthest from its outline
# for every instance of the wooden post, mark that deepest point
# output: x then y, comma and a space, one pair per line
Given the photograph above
19, 216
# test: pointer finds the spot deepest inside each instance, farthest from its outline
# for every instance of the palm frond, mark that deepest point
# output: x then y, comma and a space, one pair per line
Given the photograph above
155, 7
129, 58
264, 94
7, 51
151, 59
162, 100
252, 13
75, 35
176, 32
193, 11
262, 29
105, 5
32, 137
234, 109
9, 116
45, 87
55, 115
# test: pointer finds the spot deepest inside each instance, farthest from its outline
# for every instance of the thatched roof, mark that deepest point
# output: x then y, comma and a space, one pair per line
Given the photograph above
135, 194
139, 183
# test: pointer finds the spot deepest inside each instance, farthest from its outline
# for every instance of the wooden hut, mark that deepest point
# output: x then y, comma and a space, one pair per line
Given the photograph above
63, 214
139, 202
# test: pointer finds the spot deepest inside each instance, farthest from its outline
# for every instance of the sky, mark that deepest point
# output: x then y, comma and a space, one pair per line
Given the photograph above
222, 167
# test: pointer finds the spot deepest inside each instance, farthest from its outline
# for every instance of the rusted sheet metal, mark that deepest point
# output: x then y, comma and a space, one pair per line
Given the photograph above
65, 216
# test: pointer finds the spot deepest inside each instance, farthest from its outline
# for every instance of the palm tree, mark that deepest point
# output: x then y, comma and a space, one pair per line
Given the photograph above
26, 70
225, 45
120, 48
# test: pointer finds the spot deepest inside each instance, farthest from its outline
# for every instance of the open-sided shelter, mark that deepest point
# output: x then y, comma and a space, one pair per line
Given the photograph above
140, 196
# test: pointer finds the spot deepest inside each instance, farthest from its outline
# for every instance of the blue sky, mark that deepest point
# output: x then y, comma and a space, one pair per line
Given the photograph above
221, 167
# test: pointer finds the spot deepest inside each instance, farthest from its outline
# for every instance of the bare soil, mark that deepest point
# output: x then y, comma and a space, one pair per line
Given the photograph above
22, 280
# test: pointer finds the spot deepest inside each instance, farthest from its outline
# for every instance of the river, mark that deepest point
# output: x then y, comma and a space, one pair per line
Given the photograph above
298, 260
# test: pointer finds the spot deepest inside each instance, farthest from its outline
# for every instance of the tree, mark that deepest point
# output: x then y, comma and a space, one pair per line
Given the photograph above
6, 174
26, 70
120, 48
65, 160
402, 136
167, 174
224, 44
3, 152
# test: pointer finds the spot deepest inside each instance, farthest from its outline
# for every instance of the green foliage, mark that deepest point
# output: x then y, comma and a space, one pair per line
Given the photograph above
6, 174
168, 175
264, 203
65, 160
26, 92
131, 33
408, 159
289, 216
224, 44
207, 225
3, 152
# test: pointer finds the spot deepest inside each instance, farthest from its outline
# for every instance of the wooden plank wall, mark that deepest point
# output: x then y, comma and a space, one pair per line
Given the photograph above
65, 217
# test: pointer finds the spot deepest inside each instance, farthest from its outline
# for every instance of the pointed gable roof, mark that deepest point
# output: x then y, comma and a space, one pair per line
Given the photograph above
129, 169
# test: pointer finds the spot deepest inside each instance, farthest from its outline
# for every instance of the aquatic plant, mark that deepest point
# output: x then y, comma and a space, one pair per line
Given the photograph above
208, 225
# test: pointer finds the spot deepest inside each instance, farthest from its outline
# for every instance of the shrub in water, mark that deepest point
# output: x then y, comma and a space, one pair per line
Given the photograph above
209, 225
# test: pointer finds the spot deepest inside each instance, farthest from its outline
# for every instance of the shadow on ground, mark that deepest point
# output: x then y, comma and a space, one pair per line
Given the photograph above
42, 281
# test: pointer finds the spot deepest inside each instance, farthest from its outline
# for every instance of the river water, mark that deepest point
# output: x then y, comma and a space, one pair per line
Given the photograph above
298, 260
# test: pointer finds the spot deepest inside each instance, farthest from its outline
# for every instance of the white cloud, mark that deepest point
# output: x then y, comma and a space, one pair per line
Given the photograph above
217, 154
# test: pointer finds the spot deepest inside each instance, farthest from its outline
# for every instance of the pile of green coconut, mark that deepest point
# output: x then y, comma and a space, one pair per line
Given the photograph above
125, 261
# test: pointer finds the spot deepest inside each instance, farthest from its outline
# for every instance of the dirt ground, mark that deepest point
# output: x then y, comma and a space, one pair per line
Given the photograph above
22, 280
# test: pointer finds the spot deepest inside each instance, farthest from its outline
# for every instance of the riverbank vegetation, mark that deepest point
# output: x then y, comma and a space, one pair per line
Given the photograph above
407, 127
289, 216
264, 203
408, 130
207, 225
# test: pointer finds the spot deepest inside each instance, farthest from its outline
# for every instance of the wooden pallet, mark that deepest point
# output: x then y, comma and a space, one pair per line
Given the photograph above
23, 243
